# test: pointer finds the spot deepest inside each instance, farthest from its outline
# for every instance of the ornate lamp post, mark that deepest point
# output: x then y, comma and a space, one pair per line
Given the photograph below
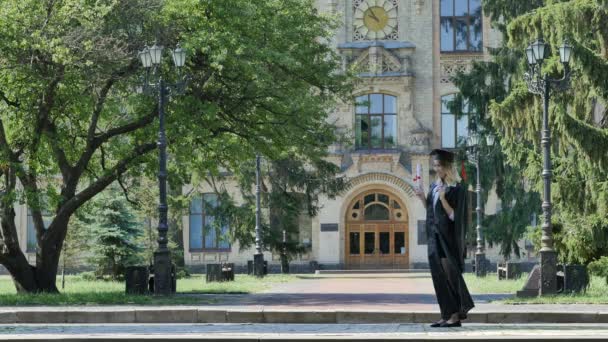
258, 257
541, 84
154, 84
474, 150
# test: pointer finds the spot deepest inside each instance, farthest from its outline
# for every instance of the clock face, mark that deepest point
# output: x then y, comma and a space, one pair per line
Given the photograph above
375, 19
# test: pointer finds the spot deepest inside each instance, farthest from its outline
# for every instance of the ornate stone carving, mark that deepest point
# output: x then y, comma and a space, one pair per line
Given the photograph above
419, 4
380, 177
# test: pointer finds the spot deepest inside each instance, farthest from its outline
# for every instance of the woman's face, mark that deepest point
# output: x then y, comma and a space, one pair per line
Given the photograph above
438, 168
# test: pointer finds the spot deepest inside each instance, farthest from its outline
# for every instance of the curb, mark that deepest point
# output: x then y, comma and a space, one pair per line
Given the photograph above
203, 315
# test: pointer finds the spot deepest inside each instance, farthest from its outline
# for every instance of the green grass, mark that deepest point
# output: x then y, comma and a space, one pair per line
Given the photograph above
597, 293
490, 284
85, 292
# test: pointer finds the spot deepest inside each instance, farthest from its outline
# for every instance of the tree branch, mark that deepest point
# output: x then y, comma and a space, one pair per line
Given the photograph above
3, 97
110, 176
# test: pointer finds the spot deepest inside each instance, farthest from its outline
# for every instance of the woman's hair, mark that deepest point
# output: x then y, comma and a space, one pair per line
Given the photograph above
451, 175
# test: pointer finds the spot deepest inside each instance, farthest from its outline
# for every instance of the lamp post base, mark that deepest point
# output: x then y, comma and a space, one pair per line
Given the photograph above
548, 272
480, 265
163, 284
258, 265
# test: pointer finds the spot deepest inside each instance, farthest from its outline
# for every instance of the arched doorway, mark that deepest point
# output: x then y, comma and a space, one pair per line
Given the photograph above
376, 231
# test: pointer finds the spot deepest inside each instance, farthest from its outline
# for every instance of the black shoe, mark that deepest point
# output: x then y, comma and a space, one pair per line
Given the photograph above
437, 324
451, 325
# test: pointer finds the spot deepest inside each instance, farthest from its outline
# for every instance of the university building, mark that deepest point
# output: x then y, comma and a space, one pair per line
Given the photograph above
406, 51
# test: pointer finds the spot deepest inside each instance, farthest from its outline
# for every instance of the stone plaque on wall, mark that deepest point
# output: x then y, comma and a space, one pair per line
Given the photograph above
329, 227
421, 232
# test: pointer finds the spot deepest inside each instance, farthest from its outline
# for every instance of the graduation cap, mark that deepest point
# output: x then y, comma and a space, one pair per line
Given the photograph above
443, 155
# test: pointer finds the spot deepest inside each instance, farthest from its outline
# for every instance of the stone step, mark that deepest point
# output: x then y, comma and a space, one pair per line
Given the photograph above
303, 332
101, 315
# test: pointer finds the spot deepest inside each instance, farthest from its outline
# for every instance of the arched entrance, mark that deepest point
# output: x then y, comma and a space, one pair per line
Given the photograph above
376, 231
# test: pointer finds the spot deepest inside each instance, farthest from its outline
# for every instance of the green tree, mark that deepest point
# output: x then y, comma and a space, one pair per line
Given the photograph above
114, 231
290, 192
578, 117
262, 78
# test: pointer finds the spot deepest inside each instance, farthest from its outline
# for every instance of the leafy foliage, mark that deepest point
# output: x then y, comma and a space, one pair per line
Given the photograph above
577, 117
262, 79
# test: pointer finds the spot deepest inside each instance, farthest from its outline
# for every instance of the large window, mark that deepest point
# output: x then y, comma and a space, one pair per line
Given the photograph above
203, 233
454, 131
461, 25
47, 218
376, 122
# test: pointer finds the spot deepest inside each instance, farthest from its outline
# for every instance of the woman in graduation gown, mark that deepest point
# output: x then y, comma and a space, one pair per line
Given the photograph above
446, 227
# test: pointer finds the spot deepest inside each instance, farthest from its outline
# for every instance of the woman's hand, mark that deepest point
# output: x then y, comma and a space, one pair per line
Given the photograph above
441, 192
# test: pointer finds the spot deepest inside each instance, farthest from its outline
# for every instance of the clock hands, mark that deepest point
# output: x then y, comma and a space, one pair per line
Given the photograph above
373, 15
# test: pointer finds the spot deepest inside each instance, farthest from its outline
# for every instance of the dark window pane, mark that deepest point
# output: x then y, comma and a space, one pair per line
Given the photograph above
210, 234
354, 243
356, 206
475, 7
196, 231
383, 198
462, 129
447, 34
460, 8
448, 131
396, 205
362, 104
224, 239
447, 8
376, 132
445, 100
390, 131
375, 103
399, 243
31, 234
461, 34
362, 131
369, 199
196, 205
370, 242
376, 212
476, 35
390, 104
385, 243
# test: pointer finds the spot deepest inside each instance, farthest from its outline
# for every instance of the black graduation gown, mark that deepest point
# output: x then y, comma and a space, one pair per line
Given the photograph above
449, 236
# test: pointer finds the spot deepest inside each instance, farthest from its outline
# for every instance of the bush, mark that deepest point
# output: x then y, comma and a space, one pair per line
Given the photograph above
599, 268
182, 273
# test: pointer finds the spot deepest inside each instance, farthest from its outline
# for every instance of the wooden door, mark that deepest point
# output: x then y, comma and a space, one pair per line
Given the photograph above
376, 237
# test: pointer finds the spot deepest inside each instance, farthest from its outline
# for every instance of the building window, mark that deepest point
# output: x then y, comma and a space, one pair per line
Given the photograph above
47, 218
203, 234
454, 131
376, 122
461, 25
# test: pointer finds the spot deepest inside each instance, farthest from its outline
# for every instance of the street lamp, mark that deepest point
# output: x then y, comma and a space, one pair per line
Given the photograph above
541, 84
154, 84
258, 257
474, 150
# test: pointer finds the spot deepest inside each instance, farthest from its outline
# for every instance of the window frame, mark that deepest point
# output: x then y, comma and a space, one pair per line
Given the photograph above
369, 116
469, 19
204, 215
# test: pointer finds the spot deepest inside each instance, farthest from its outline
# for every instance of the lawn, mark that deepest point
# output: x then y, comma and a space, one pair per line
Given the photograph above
597, 293
85, 292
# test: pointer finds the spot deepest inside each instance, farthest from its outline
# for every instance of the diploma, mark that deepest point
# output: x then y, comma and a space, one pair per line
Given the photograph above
418, 177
